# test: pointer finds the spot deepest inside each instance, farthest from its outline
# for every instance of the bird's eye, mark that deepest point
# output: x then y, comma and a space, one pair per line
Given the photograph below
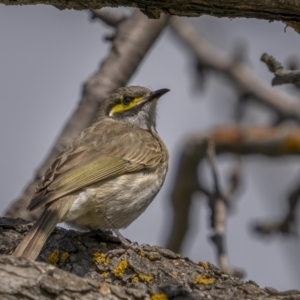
127, 100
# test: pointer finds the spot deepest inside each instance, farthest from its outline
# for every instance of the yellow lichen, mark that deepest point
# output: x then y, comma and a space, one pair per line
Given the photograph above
145, 278
101, 259
178, 255
142, 254
120, 269
152, 257
161, 296
135, 279
104, 275
204, 280
64, 256
53, 258
103, 244
204, 265
175, 274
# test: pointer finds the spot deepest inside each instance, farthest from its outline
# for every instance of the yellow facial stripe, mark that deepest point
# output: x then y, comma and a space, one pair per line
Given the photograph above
119, 108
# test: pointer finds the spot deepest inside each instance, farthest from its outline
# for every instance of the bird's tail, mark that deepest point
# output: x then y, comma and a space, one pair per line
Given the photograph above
32, 244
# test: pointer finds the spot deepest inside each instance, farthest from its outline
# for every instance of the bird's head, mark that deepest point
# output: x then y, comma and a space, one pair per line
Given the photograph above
134, 105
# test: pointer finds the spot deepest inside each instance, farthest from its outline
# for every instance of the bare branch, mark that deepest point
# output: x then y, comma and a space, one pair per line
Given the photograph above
288, 224
128, 50
218, 205
240, 74
267, 141
282, 75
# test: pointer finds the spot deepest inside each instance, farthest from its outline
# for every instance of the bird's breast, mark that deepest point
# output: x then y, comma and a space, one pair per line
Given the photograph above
121, 200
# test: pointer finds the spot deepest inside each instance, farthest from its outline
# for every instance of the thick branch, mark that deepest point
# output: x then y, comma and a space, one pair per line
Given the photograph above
129, 47
287, 10
245, 80
154, 273
268, 141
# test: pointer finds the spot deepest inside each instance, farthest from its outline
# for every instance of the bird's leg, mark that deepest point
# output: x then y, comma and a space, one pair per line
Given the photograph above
125, 243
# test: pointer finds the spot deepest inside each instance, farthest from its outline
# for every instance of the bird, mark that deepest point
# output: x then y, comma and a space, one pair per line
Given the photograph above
107, 176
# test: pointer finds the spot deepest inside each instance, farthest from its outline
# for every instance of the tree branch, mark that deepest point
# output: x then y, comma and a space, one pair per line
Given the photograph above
243, 78
288, 10
155, 273
129, 47
268, 141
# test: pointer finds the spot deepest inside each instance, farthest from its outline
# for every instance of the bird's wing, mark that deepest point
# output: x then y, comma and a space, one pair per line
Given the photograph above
87, 164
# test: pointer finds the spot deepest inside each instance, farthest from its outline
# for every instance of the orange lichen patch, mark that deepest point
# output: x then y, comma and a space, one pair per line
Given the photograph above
145, 278
65, 256
161, 296
204, 280
142, 254
292, 144
204, 265
135, 279
101, 259
104, 275
120, 269
54, 258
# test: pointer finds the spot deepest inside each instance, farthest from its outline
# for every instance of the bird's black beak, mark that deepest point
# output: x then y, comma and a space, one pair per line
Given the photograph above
157, 94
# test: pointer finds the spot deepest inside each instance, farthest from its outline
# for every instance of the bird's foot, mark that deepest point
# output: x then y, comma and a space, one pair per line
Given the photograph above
127, 244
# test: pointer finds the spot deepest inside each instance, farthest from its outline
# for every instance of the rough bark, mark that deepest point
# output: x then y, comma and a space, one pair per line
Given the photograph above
153, 273
285, 10
129, 47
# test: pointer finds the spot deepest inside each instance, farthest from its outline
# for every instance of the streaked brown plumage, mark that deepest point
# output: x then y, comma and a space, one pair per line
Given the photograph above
108, 175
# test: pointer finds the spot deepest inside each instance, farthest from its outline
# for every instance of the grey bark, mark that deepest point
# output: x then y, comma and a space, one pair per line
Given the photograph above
153, 273
285, 10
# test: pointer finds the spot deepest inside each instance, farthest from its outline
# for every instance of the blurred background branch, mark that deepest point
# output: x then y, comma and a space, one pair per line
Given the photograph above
237, 72
282, 75
268, 141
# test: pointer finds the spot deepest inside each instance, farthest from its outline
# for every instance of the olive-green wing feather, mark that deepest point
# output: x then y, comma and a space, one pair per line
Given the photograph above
81, 176
97, 160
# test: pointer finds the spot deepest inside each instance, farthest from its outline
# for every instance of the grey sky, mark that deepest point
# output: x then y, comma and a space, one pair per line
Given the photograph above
46, 54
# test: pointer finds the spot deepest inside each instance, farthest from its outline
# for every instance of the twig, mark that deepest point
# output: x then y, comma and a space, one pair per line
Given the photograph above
128, 49
282, 75
234, 178
288, 224
218, 204
239, 74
